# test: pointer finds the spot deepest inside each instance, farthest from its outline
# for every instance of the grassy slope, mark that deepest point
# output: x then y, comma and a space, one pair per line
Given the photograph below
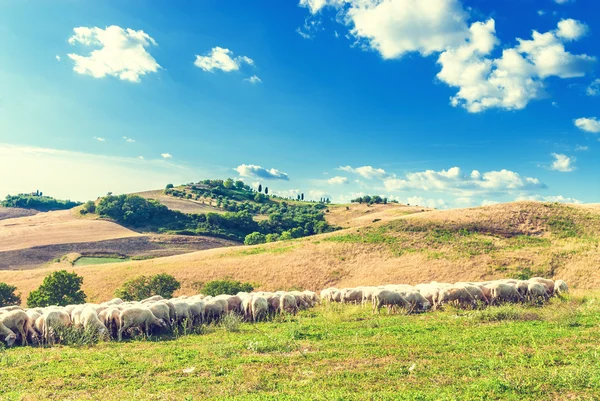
335, 352
511, 240
182, 205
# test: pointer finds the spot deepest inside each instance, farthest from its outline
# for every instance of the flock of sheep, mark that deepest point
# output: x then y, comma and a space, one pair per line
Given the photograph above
422, 297
115, 319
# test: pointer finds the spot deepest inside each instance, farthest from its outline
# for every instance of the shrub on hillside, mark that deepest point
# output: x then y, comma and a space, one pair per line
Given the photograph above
230, 287
143, 287
8, 296
88, 207
255, 238
59, 288
37, 202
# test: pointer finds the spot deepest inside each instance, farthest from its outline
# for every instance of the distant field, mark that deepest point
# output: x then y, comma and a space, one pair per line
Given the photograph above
141, 247
60, 227
336, 352
97, 260
182, 205
13, 212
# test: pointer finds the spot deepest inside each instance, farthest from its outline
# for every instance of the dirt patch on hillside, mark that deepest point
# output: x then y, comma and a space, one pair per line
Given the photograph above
60, 227
14, 212
182, 205
146, 246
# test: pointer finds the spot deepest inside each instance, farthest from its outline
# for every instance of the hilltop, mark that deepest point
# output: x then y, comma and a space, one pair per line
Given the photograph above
386, 244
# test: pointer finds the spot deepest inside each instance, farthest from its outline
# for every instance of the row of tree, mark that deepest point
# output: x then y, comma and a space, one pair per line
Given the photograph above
37, 202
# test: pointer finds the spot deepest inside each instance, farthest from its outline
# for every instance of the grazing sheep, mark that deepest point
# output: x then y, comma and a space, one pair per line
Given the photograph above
503, 292
387, 298
51, 321
560, 287
17, 321
537, 291
259, 307
287, 303
214, 309
311, 296
327, 294
477, 293
160, 310
522, 286
458, 295
548, 283
141, 318
352, 295
416, 302
33, 336
197, 310
233, 302
429, 291
152, 299
111, 319
90, 321
183, 314
7, 335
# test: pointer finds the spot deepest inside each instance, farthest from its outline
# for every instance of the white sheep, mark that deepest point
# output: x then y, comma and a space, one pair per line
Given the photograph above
388, 298
17, 321
51, 321
90, 321
560, 287
7, 335
139, 317
259, 307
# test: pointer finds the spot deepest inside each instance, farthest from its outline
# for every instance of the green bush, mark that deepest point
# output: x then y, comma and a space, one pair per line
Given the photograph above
89, 207
8, 296
255, 238
230, 287
59, 288
143, 287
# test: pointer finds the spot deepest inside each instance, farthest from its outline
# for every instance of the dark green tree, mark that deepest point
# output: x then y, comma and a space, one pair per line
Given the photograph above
255, 238
266, 190
8, 296
259, 187
59, 288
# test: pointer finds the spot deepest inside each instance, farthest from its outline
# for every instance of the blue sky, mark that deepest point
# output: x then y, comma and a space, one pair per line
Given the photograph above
435, 102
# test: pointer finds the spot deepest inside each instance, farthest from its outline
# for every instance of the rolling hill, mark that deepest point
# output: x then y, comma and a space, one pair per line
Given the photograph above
385, 244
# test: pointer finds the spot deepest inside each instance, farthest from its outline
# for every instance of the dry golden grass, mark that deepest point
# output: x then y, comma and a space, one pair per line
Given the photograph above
434, 245
59, 227
358, 215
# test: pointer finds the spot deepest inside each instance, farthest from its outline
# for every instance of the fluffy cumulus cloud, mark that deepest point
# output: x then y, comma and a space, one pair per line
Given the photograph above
430, 203
253, 171
367, 172
100, 139
518, 76
221, 59
394, 28
562, 163
166, 155
591, 124
581, 148
454, 180
121, 53
337, 180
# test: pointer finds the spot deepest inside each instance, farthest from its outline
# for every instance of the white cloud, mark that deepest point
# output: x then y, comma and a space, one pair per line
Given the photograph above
551, 198
53, 171
488, 202
337, 180
254, 80
562, 163
580, 148
570, 29
250, 170
563, 1
429, 203
57, 57
394, 28
129, 140
511, 81
541, 12
591, 124
221, 59
594, 88
99, 139
368, 172
122, 53
454, 180
166, 155
317, 194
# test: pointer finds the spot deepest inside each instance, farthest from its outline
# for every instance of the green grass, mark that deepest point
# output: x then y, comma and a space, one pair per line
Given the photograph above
335, 352
94, 260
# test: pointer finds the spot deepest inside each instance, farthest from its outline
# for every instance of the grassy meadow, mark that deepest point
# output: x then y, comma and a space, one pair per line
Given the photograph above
334, 352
